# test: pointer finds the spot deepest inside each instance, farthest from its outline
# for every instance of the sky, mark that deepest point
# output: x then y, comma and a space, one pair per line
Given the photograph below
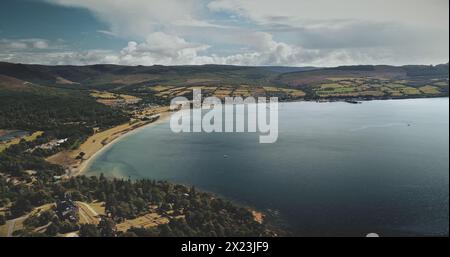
237, 32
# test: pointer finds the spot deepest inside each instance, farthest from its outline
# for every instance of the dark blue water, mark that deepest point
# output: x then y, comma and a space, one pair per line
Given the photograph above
336, 169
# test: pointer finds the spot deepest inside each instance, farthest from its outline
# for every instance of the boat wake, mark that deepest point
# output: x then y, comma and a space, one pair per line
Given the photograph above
388, 125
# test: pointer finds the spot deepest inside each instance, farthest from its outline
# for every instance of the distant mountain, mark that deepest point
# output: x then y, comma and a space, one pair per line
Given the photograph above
106, 76
413, 72
284, 69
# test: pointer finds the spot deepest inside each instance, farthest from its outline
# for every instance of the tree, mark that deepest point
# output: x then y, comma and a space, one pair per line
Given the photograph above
144, 232
20, 207
166, 231
66, 227
128, 234
89, 230
41, 197
76, 196
107, 228
81, 155
52, 229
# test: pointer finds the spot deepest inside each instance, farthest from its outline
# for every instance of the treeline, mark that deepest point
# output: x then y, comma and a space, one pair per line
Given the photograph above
421, 70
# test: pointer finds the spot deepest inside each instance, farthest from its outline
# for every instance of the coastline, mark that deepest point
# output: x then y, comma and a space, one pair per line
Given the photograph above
85, 164
258, 216
96, 144
77, 166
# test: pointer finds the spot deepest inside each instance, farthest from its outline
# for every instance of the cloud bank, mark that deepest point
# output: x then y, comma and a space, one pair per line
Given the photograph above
250, 32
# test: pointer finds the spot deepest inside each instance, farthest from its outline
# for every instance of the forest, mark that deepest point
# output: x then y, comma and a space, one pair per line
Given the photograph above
204, 214
60, 113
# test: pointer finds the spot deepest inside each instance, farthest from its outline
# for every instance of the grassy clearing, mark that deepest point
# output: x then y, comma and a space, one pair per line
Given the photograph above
146, 221
176, 89
331, 85
184, 92
204, 88
103, 95
441, 84
391, 92
4, 230
241, 92
336, 79
430, 90
161, 88
32, 137
395, 85
130, 98
371, 93
223, 92
373, 87
271, 89
98, 207
293, 92
410, 91
88, 213
111, 99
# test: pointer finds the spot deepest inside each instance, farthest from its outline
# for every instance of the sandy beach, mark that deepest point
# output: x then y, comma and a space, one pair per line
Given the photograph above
97, 143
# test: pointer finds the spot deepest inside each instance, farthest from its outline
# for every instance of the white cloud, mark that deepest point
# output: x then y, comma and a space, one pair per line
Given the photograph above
16, 45
107, 32
166, 49
138, 18
27, 44
262, 32
162, 48
418, 25
40, 44
428, 13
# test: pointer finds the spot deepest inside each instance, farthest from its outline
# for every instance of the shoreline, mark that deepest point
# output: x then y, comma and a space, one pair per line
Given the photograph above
260, 216
92, 148
85, 164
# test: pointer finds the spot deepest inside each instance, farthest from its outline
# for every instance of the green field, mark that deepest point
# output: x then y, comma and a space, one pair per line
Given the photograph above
373, 87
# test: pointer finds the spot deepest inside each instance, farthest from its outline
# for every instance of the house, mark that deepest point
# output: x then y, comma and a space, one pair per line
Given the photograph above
67, 210
49, 145
61, 141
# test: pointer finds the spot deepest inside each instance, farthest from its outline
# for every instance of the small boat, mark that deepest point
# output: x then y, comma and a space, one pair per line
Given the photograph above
352, 102
225, 156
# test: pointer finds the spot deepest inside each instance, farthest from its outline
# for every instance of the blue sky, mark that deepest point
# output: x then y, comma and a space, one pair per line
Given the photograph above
21, 19
240, 32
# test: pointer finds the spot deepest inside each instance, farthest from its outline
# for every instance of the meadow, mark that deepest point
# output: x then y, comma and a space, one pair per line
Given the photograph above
366, 87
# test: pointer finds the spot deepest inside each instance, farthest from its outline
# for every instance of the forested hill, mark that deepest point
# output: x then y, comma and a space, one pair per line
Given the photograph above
107, 76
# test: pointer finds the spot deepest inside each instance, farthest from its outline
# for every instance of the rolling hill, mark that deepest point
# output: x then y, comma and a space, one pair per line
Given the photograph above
146, 82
